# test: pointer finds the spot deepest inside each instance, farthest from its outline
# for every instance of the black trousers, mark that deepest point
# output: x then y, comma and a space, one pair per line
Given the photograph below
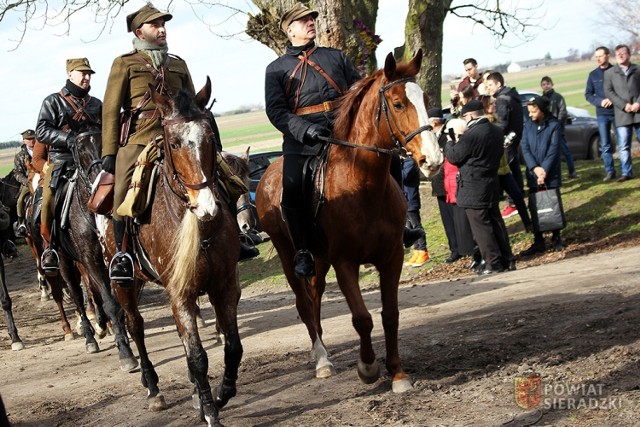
292, 181
446, 214
491, 235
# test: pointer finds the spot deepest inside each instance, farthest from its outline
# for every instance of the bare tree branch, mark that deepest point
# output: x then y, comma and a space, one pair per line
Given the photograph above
516, 20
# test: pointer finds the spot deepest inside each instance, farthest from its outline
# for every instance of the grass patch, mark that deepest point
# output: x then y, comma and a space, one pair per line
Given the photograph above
599, 215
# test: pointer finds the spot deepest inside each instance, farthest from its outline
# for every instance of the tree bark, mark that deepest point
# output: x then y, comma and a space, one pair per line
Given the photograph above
335, 27
425, 29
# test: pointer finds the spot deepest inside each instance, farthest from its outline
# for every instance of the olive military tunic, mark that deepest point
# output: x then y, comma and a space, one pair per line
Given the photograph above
128, 82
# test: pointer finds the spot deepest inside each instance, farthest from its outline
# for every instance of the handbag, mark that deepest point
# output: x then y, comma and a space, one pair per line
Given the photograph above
547, 213
101, 200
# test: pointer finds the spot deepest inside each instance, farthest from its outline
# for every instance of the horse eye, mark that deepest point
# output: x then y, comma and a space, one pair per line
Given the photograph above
174, 144
398, 106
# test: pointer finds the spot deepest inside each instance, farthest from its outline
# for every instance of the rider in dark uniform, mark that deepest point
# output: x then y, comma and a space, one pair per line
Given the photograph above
298, 100
71, 103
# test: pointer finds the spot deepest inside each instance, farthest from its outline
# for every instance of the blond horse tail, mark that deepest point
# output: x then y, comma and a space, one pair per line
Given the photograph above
184, 255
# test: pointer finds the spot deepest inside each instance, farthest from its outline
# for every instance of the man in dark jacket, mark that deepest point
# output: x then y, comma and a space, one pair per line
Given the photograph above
558, 107
509, 118
594, 93
23, 172
60, 112
477, 155
298, 99
622, 87
541, 152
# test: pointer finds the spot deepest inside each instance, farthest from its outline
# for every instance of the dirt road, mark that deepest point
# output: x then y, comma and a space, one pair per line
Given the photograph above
574, 324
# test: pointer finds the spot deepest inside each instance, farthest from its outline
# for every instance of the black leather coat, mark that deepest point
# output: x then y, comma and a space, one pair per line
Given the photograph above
477, 155
316, 90
55, 113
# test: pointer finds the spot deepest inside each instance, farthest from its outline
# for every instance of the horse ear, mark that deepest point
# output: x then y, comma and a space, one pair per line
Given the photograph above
389, 66
202, 98
416, 63
246, 154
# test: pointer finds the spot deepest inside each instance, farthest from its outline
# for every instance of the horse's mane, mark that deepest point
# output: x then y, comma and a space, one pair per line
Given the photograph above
349, 104
238, 165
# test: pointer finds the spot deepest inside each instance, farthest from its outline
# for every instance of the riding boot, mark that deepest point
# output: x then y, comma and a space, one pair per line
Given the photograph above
246, 251
49, 261
121, 265
304, 264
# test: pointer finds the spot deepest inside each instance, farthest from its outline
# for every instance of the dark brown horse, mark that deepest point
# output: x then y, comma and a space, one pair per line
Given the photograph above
79, 249
9, 189
363, 215
190, 240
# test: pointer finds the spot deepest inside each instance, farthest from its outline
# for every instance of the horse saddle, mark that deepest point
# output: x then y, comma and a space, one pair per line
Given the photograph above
313, 176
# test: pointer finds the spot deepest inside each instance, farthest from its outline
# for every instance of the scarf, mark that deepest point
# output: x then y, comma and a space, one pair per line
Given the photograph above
76, 90
157, 53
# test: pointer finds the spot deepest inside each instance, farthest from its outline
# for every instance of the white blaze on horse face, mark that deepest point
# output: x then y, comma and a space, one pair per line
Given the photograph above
203, 201
429, 148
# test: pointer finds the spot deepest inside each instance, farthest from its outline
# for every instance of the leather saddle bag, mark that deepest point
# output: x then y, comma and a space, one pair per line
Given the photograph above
101, 200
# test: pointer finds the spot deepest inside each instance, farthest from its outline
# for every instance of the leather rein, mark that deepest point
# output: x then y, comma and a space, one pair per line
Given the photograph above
383, 107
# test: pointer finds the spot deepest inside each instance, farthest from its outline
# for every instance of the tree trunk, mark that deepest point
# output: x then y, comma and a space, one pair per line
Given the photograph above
336, 27
424, 29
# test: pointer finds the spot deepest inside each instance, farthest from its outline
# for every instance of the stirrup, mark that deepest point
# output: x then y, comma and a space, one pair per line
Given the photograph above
50, 270
112, 264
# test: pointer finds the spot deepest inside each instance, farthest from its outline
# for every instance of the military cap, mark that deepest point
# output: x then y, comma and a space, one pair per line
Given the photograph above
296, 12
146, 13
29, 134
473, 105
79, 64
435, 112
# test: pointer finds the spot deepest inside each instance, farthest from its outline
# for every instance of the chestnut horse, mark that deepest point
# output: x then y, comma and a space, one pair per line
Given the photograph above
363, 214
190, 240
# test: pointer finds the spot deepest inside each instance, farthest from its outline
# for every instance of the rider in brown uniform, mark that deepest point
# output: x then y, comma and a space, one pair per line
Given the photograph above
127, 92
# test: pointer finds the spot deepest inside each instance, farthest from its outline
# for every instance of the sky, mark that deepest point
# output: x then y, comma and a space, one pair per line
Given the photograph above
36, 68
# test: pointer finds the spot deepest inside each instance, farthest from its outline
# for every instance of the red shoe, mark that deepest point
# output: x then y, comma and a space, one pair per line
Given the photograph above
509, 211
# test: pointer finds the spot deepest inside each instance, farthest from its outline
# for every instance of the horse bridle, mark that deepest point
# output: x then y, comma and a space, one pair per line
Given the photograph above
383, 106
168, 153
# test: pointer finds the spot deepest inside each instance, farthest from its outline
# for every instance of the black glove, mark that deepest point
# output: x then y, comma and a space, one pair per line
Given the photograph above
315, 131
109, 163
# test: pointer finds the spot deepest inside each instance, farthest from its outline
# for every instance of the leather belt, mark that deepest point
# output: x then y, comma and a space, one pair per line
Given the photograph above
318, 108
148, 114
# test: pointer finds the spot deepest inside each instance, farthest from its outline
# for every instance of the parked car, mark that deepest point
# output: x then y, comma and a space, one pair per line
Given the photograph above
258, 164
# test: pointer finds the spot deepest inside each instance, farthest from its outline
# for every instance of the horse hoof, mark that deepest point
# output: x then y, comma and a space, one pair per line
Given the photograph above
157, 403
195, 401
92, 348
368, 373
128, 364
17, 346
325, 371
400, 386
69, 336
101, 333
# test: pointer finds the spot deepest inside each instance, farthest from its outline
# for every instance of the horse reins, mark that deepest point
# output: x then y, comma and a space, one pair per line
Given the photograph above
383, 106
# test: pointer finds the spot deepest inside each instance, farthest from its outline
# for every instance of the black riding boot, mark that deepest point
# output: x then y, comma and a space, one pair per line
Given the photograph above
304, 264
246, 251
121, 266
